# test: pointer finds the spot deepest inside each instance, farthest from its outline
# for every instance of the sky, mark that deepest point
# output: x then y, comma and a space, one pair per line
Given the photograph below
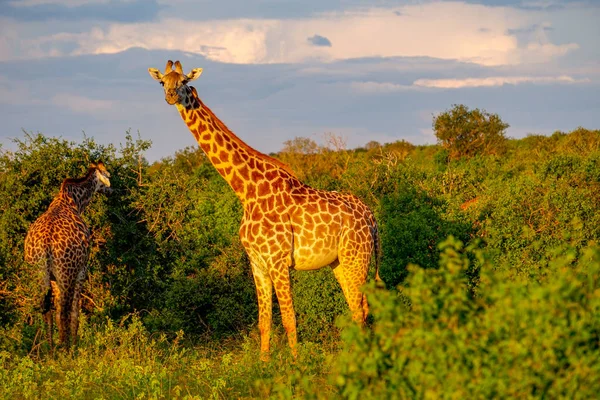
274, 70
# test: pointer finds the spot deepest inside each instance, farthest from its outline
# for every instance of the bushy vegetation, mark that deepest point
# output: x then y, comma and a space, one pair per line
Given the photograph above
490, 259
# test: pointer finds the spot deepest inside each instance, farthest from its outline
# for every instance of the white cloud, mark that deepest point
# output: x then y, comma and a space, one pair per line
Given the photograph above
475, 33
81, 104
494, 81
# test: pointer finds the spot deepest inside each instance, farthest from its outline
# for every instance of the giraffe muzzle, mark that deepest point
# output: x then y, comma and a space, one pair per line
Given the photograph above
171, 97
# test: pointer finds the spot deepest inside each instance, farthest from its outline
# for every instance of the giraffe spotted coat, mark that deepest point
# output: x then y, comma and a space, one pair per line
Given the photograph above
58, 242
286, 224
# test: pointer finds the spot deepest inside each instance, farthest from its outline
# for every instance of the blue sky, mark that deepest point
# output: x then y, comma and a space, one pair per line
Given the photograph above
274, 70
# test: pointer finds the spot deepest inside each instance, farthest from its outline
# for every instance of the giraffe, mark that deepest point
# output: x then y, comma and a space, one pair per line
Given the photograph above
58, 242
286, 224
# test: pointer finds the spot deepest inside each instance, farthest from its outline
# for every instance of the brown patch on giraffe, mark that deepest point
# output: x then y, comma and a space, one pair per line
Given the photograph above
326, 218
206, 137
236, 183
219, 139
244, 172
224, 156
312, 207
270, 175
256, 176
272, 217
215, 160
251, 163
264, 188
250, 191
256, 214
260, 166
277, 184
228, 146
236, 158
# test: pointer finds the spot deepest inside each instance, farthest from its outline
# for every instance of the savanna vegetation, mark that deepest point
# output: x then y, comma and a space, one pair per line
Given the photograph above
490, 257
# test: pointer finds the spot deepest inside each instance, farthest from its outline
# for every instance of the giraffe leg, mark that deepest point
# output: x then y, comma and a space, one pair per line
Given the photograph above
66, 301
264, 293
48, 317
74, 326
351, 279
46, 305
283, 290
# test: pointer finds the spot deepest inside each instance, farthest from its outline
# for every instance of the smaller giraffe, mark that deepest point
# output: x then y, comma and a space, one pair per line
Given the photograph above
58, 242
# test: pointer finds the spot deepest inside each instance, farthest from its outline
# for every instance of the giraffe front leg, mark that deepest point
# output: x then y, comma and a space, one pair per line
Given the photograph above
283, 289
264, 293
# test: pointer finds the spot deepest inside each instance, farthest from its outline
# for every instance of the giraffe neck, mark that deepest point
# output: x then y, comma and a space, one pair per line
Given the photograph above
247, 171
80, 190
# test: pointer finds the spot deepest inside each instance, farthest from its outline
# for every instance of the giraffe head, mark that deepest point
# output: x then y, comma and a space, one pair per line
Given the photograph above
102, 176
175, 83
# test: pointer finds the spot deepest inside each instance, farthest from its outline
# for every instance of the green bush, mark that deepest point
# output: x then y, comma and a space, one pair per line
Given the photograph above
512, 339
465, 133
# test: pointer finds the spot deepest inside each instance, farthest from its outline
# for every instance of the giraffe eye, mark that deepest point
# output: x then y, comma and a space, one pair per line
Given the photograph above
162, 83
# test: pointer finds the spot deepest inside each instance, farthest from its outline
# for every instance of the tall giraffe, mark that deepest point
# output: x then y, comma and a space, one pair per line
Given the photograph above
286, 224
58, 242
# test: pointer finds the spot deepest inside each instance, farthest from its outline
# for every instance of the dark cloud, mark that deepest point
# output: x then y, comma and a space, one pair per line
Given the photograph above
319, 40
114, 10
528, 29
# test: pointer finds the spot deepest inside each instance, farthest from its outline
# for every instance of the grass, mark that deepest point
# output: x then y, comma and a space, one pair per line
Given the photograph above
123, 361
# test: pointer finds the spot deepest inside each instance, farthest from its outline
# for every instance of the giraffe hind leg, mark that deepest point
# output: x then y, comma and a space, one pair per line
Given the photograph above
351, 279
48, 317
64, 321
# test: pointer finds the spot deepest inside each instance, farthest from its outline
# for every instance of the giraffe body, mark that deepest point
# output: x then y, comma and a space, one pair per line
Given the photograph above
286, 224
58, 243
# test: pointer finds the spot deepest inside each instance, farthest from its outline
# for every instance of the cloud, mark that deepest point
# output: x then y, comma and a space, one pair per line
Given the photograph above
124, 11
66, 3
319, 41
81, 104
380, 87
494, 81
476, 33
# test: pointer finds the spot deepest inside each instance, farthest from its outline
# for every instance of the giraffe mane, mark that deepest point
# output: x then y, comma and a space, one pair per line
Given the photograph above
67, 181
250, 150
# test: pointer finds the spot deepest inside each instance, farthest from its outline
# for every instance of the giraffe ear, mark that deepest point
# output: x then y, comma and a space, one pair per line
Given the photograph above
194, 74
155, 74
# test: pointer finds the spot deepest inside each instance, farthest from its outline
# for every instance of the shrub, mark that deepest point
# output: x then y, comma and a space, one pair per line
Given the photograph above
512, 339
465, 133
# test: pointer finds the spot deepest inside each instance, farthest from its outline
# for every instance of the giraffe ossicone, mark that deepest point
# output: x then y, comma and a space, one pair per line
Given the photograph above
58, 243
286, 224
